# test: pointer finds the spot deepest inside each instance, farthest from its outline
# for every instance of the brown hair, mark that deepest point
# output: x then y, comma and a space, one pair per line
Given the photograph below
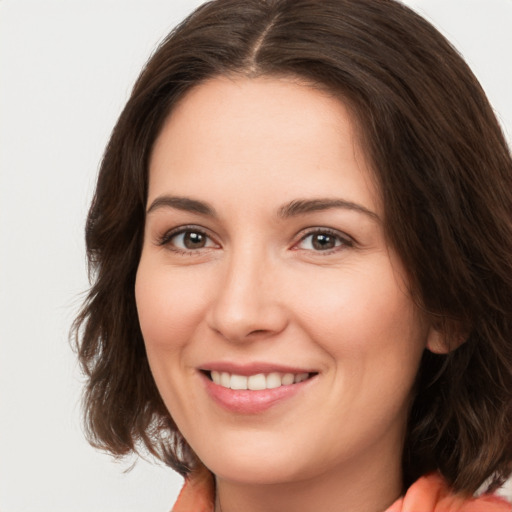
445, 174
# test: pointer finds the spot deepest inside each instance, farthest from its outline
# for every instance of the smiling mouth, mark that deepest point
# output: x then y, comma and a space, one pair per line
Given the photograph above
258, 382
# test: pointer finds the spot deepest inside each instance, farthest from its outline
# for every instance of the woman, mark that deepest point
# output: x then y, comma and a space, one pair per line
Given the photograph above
301, 243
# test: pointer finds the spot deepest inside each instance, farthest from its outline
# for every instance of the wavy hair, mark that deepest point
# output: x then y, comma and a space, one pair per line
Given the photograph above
445, 175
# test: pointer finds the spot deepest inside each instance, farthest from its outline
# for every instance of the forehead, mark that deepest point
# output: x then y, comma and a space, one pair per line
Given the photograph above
264, 133
248, 104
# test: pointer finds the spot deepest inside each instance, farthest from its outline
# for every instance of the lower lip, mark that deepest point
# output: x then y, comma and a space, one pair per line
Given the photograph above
251, 402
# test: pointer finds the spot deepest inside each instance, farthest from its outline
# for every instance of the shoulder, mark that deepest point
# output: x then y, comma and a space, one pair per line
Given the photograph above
432, 494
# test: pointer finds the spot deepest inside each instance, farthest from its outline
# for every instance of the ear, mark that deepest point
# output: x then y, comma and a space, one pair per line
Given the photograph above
443, 339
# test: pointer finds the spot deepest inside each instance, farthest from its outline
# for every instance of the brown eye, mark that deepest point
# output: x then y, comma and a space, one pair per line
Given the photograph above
187, 240
194, 240
324, 240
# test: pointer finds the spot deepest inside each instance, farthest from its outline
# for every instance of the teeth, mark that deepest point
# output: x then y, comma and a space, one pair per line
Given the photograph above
257, 382
288, 379
225, 379
301, 377
238, 382
274, 380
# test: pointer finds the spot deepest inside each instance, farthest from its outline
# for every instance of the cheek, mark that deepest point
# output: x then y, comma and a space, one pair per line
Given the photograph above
365, 315
168, 309
375, 337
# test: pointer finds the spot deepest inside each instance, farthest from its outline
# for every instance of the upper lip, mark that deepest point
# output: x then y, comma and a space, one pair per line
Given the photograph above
254, 368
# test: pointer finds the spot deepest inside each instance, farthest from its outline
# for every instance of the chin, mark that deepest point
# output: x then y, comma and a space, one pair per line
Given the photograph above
248, 472
254, 465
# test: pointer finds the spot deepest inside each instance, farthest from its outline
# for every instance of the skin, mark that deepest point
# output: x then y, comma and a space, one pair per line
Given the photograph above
258, 289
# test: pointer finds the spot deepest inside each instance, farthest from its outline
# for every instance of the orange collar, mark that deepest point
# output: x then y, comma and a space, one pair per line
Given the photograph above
428, 494
198, 493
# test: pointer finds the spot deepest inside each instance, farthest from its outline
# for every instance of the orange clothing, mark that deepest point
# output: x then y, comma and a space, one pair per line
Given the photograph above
428, 494
432, 494
198, 493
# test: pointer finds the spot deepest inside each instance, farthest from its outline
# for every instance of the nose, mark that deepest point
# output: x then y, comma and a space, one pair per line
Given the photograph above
249, 303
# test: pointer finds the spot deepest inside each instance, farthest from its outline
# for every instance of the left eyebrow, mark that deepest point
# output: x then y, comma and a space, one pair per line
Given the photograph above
303, 206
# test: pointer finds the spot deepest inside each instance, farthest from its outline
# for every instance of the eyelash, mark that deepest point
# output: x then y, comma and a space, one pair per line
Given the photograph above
342, 240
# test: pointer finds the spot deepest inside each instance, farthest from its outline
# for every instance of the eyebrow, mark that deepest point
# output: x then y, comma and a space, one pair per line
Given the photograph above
303, 206
182, 203
292, 209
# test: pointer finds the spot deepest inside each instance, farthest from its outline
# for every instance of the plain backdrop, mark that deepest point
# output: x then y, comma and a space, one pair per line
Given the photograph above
66, 70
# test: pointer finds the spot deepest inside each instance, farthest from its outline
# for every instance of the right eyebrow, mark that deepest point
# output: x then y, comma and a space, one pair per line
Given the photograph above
182, 203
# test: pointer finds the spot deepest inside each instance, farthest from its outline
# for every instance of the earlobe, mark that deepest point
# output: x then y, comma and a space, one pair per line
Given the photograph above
437, 342
445, 340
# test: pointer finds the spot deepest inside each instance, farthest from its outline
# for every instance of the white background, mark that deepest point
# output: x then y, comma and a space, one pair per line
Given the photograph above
66, 69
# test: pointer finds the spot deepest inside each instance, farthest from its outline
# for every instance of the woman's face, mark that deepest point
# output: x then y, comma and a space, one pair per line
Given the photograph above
265, 265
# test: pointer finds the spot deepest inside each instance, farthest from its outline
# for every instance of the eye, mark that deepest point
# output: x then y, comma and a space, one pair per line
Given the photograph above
190, 240
323, 240
187, 240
